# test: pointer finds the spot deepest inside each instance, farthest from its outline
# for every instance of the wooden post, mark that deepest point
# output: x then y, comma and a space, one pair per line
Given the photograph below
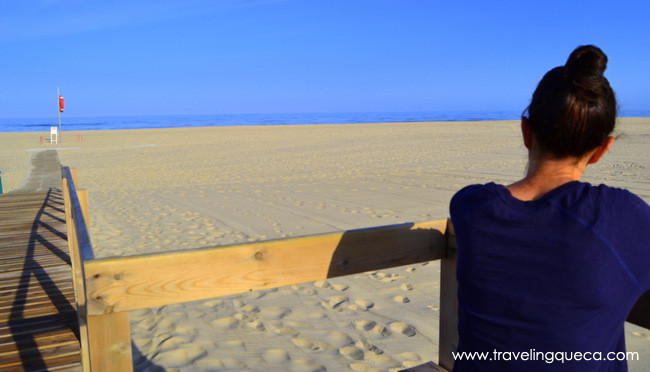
640, 314
110, 346
448, 303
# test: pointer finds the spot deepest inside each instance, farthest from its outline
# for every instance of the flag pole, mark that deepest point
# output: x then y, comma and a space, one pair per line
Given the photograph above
58, 107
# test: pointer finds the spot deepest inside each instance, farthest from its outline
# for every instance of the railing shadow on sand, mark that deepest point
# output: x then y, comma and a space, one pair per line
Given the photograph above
107, 289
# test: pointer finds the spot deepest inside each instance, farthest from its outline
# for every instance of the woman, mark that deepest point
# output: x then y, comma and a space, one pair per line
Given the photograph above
549, 267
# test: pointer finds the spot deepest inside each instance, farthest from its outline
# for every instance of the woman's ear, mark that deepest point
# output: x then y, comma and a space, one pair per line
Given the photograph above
526, 133
601, 150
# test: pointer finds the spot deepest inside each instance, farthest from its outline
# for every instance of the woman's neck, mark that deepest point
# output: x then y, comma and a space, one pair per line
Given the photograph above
546, 173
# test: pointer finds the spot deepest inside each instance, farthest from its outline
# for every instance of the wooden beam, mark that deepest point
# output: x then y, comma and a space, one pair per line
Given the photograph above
122, 284
448, 341
110, 349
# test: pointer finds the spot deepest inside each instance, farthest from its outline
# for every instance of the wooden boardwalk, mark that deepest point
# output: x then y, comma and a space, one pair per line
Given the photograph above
38, 321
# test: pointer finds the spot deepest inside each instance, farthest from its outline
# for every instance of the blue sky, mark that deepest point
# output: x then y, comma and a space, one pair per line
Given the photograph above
118, 57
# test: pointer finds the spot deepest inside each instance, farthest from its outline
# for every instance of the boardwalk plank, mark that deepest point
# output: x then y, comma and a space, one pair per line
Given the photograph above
38, 321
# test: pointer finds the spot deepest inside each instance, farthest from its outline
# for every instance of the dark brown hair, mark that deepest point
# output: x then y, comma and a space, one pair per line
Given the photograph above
573, 109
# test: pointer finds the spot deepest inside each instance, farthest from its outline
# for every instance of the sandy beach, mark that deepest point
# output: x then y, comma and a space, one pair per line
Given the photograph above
170, 189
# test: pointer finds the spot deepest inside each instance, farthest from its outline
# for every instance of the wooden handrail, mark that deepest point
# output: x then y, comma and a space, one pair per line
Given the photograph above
129, 283
83, 238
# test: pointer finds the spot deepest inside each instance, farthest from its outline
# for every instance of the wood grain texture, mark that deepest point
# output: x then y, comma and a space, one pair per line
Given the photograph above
448, 341
110, 346
122, 284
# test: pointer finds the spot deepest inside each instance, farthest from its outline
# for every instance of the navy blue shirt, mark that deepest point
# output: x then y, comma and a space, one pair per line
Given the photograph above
556, 274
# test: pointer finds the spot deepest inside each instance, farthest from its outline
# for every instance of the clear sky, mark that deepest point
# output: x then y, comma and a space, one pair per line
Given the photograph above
119, 57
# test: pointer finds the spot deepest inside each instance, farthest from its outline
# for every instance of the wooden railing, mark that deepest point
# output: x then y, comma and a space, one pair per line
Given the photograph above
107, 289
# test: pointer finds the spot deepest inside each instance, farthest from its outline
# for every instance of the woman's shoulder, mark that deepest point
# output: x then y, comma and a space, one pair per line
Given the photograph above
612, 197
472, 196
599, 205
474, 191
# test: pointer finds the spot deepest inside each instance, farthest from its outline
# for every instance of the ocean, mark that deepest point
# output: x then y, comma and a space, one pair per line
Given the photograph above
218, 120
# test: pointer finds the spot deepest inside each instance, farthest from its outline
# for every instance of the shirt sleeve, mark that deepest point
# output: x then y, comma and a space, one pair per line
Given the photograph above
629, 232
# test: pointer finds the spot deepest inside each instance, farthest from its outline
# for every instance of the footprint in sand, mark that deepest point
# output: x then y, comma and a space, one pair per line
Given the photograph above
275, 356
338, 338
251, 308
409, 356
384, 362
243, 317
302, 343
406, 287
380, 331
401, 299
234, 364
392, 278
307, 291
165, 326
301, 365
403, 328
180, 357
322, 284
363, 304
369, 347
256, 324
286, 331
378, 274
315, 346
275, 312
364, 325
225, 323
340, 287
352, 352
186, 330
336, 301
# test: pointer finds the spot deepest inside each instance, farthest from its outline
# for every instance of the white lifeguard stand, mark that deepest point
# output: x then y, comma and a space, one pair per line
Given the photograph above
54, 135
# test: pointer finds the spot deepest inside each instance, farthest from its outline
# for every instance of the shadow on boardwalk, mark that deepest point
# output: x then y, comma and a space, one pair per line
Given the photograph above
35, 269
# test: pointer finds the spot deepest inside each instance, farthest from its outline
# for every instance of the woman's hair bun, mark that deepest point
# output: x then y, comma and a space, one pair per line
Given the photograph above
585, 68
573, 109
